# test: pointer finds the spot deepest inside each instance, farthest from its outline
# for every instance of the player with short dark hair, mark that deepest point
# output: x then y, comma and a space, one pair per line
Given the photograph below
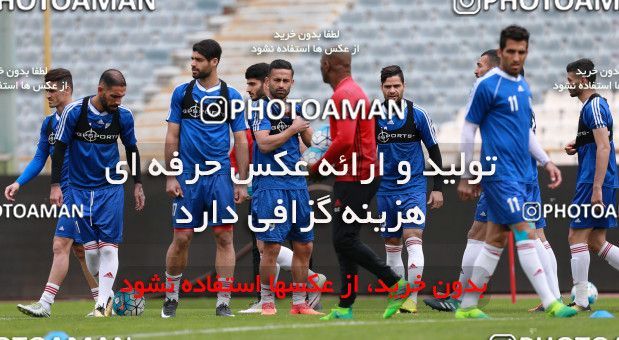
89, 129
597, 180
254, 77
199, 137
500, 105
399, 140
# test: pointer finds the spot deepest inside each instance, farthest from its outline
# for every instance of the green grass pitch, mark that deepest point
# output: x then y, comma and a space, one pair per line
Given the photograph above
196, 320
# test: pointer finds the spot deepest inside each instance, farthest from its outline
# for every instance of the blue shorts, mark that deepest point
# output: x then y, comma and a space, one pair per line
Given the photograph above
481, 212
67, 225
208, 193
103, 214
387, 204
263, 204
534, 196
586, 220
505, 200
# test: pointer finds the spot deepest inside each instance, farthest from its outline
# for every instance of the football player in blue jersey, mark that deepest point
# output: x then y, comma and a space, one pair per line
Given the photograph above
597, 182
399, 144
500, 106
89, 128
199, 125
274, 136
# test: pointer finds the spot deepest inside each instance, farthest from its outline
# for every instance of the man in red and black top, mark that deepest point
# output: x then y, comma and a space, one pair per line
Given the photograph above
353, 135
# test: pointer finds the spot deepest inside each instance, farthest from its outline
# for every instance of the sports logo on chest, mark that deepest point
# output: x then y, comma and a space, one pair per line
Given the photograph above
99, 131
51, 138
385, 136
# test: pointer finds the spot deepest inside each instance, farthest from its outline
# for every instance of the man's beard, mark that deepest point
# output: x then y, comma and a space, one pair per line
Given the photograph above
107, 108
201, 75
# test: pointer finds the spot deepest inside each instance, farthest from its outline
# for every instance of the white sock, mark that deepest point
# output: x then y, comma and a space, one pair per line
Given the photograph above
277, 269
415, 262
483, 268
610, 253
284, 259
95, 293
553, 263
531, 265
298, 297
91, 255
473, 247
49, 293
580, 272
266, 295
107, 271
394, 259
224, 297
551, 279
310, 272
173, 282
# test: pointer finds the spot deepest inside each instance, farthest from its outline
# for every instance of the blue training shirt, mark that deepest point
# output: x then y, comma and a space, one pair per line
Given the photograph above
501, 105
595, 114
88, 161
200, 142
291, 146
410, 151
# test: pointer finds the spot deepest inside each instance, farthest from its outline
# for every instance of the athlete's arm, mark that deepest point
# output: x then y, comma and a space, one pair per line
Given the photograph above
477, 108
34, 167
536, 149
434, 152
132, 151
467, 146
467, 191
64, 136
601, 162
173, 188
306, 137
241, 147
57, 160
428, 136
435, 200
267, 142
540, 155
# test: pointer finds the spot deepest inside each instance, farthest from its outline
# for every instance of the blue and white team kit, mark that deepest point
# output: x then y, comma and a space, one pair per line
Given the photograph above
595, 114
91, 139
65, 227
501, 105
200, 142
399, 139
271, 191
